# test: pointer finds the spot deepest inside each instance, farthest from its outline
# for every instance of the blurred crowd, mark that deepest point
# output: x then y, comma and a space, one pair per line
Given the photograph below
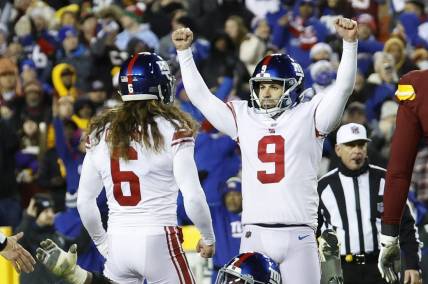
59, 61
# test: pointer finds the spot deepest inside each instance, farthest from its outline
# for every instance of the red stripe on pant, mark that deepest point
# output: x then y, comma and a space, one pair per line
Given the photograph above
177, 254
180, 239
170, 250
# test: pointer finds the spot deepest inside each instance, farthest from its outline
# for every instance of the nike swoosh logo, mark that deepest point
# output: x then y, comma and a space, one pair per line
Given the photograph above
302, 237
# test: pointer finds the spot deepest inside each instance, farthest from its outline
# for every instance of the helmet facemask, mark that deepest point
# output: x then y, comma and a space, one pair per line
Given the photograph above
288, 99
228, 275
278, 68
249, 268
167, 91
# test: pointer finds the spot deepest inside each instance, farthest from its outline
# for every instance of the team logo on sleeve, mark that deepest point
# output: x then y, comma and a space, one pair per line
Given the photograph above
405, 93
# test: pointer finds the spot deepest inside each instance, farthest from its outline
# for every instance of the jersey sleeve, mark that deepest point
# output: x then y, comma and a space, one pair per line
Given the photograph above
90, 186
404, 143
215, 110
409, 241
182, 138
195, 203
331, 105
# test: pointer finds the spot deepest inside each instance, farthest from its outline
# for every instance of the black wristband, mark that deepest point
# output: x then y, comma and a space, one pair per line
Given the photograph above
390, 229
3, 245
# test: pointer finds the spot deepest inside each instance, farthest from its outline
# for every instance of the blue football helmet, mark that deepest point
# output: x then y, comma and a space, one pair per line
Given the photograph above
278, 68
249, 268
146, 76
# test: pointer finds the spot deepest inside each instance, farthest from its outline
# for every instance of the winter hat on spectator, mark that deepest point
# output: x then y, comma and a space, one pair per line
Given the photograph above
65, 32
42, 202
135, 12
395, 41
58, 72
72, 8
42, 10
23, 26
319, 47
232, 184
27, 64
323, 73
96, 86
367, 19
351, 132
389, 108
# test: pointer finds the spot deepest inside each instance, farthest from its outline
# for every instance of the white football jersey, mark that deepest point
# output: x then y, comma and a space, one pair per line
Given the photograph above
280, 159
141, 191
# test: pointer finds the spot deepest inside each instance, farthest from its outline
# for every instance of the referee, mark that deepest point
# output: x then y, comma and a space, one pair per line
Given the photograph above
351, 202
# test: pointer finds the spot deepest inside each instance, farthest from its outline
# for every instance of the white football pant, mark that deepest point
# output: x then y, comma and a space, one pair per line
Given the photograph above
294, 249
151, 253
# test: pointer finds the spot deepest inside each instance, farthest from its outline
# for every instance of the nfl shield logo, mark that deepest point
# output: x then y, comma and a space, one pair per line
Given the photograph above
355, 130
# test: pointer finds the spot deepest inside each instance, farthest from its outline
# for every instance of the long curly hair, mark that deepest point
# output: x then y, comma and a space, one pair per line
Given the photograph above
135, 121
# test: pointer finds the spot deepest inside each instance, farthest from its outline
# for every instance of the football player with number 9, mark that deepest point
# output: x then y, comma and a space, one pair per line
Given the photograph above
281, 140
142, 153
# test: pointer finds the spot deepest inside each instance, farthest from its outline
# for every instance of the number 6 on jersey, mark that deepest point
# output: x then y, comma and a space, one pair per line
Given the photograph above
119, 176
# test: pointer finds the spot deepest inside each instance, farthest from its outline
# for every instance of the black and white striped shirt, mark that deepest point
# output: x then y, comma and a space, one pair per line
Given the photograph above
351, 202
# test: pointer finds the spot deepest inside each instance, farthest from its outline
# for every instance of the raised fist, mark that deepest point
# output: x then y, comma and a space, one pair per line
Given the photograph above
182, 38
346, 29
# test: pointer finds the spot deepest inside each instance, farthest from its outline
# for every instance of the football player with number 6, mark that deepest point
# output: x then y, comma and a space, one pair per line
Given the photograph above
142, 153
281, 138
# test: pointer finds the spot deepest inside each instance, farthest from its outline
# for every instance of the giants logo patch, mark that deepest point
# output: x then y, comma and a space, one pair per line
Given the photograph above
275, 277
163, 66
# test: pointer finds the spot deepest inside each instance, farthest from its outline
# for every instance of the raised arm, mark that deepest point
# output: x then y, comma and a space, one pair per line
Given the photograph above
332, 104
90, 186
215, 110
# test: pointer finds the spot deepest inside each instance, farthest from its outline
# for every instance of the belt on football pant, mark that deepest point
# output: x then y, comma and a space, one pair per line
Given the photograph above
278, 225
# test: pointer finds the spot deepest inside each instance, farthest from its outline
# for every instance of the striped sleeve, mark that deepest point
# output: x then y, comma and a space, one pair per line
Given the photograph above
182, 138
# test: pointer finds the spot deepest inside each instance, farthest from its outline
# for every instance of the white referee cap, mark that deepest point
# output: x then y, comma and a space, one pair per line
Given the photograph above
351, 132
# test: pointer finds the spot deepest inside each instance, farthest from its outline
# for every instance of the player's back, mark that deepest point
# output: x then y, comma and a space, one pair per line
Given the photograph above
142, 190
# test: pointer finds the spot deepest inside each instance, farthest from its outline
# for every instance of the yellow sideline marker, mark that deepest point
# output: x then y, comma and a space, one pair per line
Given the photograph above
191, 237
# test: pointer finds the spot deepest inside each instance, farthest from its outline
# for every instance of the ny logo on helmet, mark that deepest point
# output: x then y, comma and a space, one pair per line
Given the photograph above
164, 67
275, 277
